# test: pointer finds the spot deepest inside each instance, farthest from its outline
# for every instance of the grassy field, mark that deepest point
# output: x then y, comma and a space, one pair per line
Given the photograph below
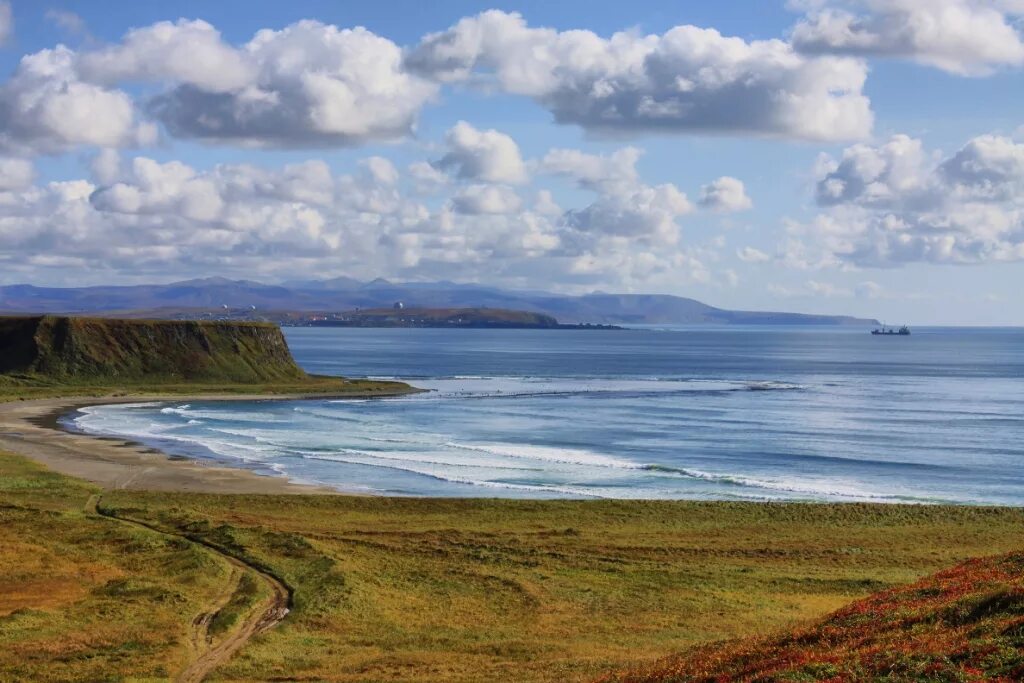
418, 590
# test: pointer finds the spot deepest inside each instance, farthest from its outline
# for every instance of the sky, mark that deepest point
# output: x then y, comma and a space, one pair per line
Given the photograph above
863, 157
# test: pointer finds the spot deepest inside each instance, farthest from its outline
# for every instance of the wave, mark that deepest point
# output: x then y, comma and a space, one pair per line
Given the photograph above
830, 489
345, 454
550, 454
454, 479
470, 387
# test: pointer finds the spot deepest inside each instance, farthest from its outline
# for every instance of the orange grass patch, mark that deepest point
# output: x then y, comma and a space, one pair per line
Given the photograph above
963, 624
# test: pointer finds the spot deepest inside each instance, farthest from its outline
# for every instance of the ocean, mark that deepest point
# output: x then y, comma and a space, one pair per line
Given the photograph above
694, 412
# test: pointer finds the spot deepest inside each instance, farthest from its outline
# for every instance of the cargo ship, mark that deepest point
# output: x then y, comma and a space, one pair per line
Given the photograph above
892, 331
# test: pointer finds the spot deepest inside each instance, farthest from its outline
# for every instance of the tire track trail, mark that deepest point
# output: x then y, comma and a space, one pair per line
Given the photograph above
207, 655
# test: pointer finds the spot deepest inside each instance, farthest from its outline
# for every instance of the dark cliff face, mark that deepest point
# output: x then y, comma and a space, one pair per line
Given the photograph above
144, 350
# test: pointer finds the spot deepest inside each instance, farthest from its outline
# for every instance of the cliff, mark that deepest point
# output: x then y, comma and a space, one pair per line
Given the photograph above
70, 349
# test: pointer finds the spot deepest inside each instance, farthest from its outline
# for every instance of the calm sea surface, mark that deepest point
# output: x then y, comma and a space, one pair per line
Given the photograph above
697, 412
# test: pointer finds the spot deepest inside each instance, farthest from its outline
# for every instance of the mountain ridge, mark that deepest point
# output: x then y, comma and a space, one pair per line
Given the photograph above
344, 294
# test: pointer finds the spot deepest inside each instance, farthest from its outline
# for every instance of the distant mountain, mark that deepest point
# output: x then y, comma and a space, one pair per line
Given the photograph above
346, 294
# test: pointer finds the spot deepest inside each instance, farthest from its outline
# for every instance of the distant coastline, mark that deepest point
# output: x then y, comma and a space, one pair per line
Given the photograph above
221, 298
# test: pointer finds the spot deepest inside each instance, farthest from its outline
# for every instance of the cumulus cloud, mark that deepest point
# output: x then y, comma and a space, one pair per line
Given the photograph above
486, 155
965, 37
307, 84
725, 194
139, 214
613, 173
625, 207
15, 174
872, 175
312, 84
688, 79
895, 203
479, 198
988, 167
184, 52
426, 178
46, 107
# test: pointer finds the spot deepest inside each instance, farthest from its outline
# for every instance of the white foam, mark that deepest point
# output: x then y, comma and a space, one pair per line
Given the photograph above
549, 454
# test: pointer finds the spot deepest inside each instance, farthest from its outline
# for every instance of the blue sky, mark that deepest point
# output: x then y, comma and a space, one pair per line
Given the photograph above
849, 165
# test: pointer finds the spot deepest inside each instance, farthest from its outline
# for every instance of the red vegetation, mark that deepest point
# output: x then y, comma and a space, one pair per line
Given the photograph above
964, 624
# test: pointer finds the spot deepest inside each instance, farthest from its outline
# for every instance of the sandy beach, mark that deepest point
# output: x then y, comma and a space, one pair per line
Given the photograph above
31, 428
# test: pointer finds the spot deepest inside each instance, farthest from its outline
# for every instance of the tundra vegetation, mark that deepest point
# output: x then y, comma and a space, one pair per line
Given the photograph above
436, 589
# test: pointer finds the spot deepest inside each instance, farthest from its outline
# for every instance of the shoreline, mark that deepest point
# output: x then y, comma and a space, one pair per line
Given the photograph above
32, 429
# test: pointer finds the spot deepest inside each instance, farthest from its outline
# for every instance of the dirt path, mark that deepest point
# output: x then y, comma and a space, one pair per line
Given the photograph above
207, 655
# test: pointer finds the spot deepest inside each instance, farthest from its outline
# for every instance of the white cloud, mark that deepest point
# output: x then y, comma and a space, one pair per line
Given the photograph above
483, 155
426, 178
965, 37
46, 107
646, 213
381, 170
988, 167
614, 173
625, 207
688, 79
480, 198
752, 255
895, 203
142, 215
317, 85
309, 84
106, 166
725, 194
875, 175
183, 52
15, 174
869, 290
546, 205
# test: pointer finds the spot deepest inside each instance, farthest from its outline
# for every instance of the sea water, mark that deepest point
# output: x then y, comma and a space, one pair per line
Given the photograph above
727, 413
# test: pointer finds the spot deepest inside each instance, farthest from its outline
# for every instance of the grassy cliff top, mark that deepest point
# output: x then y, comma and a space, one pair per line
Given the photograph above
43, 356
87, 349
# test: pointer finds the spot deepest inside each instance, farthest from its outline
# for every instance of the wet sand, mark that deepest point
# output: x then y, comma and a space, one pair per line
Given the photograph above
32, 429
